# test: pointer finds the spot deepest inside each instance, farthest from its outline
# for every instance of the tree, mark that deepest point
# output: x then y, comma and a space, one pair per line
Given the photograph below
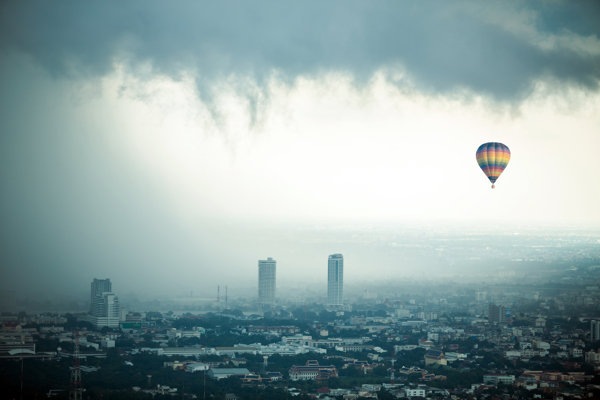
351, 372
385, 395
285, 313
380, 313
124, 343
311, 316
191, 341
113, 355
326, 316
380, 371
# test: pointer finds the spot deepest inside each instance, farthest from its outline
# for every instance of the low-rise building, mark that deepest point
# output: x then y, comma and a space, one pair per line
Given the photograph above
540, 345
174, 364
418, 392
275, 329
354, 347
275, 376
435, 357
592, 357
371, 387
195, 367
232, 351
283, 349
174, 334
494, 379
16, 339
220, 373
183, 351
312, 370
405, 347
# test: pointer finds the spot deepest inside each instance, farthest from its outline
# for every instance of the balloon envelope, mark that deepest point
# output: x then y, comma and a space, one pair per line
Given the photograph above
493, 157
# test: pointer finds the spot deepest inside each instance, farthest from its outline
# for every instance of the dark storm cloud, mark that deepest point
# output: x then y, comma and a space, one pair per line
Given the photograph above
440, 45
72, 208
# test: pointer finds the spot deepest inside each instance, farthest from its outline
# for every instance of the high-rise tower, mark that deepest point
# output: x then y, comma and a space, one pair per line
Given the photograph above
335, 280
104, 305
99, 286
105, 311
266, 282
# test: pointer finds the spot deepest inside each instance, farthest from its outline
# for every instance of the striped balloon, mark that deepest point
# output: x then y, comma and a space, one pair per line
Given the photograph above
493, 158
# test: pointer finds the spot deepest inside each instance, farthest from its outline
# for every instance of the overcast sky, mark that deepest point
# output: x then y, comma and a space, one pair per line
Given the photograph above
136, 137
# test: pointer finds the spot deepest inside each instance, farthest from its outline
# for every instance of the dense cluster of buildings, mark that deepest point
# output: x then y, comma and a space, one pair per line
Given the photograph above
526, 340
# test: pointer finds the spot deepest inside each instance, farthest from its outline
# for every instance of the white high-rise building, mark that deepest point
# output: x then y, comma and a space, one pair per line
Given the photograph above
335, 280
104, 305
266, 282
99, 286
105, 310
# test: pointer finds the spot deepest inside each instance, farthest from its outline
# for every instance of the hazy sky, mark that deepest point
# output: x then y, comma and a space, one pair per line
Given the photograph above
137, 137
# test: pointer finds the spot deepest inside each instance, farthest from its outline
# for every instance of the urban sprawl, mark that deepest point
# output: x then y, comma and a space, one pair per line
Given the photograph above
507, 339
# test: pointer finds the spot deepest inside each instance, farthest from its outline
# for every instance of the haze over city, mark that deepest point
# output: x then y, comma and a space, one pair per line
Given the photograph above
159, 159
169, 147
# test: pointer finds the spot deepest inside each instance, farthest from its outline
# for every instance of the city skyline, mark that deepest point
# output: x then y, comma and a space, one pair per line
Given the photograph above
549, 322
153, 163
400, 254
177, 148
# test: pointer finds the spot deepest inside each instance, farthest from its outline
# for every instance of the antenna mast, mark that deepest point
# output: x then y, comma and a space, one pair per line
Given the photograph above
219, 299
76, 392
393, 361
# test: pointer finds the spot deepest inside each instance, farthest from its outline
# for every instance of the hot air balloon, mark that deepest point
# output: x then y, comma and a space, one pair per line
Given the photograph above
493, 158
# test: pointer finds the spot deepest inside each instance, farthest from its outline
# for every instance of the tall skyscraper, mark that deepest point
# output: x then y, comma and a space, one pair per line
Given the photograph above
105, 310
335, 280
104, 305
266, 282
99, 286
